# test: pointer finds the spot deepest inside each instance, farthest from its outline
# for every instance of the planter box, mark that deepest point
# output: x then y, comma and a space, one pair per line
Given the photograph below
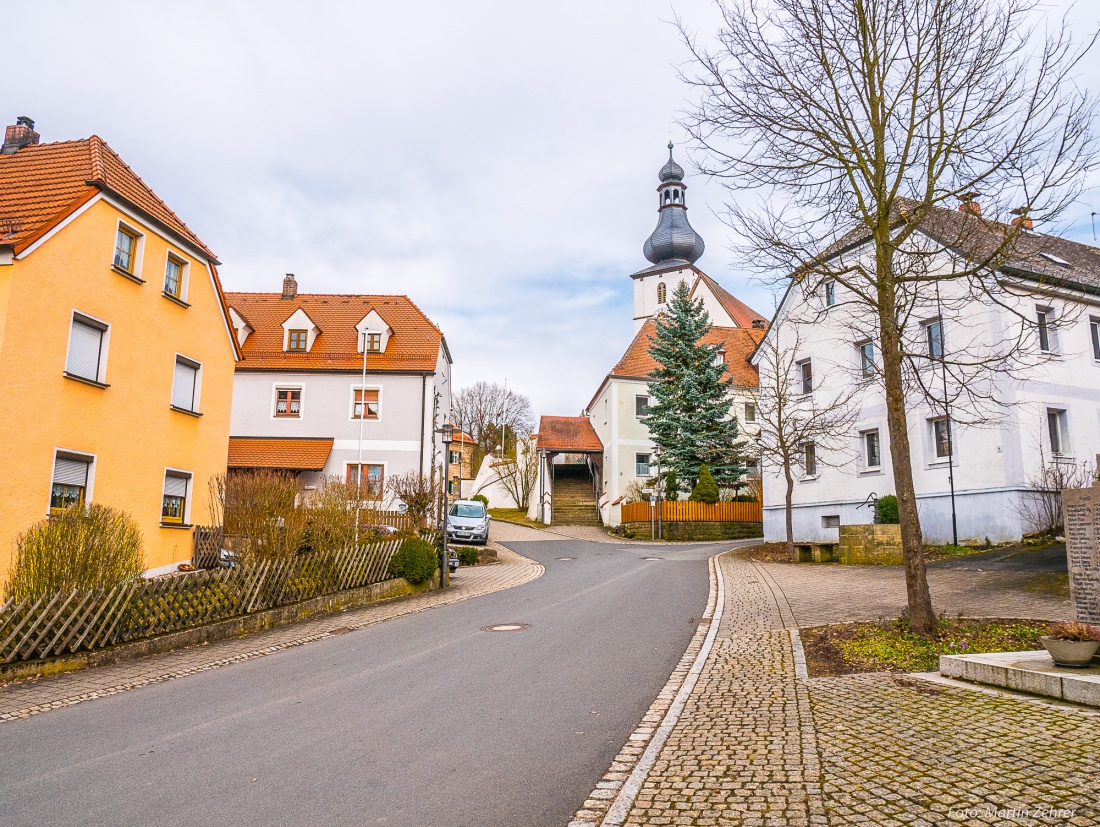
870, 545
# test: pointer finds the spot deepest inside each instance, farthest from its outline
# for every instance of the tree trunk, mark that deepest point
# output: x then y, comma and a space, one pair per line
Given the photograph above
788, 511
921, 616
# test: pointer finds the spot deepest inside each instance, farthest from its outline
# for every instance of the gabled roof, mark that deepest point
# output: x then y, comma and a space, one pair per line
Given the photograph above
568, 435
738, 342
305, 454
414, 345
741, 313
42, 184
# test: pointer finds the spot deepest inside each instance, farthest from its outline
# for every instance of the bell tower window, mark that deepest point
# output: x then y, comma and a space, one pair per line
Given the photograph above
662, 293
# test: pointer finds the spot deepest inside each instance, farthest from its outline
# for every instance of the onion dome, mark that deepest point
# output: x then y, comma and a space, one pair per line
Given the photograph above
674, 239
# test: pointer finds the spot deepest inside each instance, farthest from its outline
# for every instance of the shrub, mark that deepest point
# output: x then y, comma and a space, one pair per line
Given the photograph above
416, 561
262, 507
467, 555
887, 510
81, 548
706, 489
1074, 630
481, 498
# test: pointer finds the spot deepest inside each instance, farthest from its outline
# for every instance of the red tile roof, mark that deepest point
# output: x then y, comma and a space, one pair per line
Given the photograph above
741, 313
567, 434
307, 454
413, 346
738, 342
41, 184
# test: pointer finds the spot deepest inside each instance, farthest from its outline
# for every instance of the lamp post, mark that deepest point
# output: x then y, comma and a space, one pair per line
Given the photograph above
448, 437
660, 501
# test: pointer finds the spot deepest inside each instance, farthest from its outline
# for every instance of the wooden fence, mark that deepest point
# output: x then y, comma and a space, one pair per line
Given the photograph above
689, 512
81, 620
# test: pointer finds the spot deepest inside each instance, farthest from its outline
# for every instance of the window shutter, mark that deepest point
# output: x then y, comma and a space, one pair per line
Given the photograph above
183, 390
85, 344
175, 486
70, 472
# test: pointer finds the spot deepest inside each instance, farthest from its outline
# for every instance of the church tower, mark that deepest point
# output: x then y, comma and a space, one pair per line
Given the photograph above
673, 247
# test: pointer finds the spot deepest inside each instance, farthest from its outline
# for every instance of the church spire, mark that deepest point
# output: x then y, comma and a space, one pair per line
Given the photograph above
674, 240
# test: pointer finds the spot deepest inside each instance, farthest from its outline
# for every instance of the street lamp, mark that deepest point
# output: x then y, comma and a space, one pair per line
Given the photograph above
660, 501
448, 437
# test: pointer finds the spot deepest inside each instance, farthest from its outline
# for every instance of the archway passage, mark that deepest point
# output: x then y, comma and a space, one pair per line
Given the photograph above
570, 468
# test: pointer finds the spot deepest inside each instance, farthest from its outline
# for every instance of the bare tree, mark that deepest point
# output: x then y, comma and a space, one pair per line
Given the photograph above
1042, 506
421, 493
797, 429
518, 476
482, 409
865, 119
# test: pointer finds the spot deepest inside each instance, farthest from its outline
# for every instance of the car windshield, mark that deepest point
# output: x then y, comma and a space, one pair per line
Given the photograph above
467, 510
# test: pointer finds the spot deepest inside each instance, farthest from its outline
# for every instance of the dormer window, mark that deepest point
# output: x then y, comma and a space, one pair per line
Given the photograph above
374, 342
720, 357
297, 340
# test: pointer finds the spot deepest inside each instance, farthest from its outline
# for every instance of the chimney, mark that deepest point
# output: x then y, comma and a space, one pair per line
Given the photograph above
19, 135
969, 205
290, 286
758, 324
1021, 220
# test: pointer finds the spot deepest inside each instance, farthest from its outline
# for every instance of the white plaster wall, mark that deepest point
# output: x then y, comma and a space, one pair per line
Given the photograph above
645, 292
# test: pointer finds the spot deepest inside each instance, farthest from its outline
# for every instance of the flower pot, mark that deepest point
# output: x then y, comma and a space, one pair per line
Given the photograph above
1075, 653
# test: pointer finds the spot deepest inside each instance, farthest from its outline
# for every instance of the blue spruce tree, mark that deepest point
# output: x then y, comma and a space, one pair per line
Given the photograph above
691, 418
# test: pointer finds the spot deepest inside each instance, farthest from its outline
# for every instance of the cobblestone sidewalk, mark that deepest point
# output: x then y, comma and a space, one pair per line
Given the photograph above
758, 745
24, 698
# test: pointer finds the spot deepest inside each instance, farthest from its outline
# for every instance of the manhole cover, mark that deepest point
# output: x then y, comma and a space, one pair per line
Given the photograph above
567, 558
653, 558
506, 627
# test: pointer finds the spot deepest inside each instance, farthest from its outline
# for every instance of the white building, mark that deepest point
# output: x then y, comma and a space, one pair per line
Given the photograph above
612, 433
991, 452
300, 402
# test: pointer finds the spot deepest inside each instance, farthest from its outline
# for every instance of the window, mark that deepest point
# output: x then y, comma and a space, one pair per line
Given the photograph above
806, 375
830, 293
1094, 331
750, 412
641, 465
173, 508
288, 402
372, 481
126, 244
87, 346
720, 357
374, 342
866, 359
370, 399
454, 457
297, 340
1061, 262
872, 452
474, 511
173, 277
830, 521
70, 481
1058, 429
1044, 316
662, 293
933, 336
941, 438
185, 387
809, 459
641, 406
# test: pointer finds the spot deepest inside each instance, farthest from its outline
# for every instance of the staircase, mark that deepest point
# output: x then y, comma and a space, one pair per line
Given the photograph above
574, 501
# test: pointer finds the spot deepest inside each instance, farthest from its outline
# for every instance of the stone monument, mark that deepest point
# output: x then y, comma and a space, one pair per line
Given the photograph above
1081, 515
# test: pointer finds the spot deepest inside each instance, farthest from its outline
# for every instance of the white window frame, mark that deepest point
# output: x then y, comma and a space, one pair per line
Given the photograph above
801, 364
863, 370
1046, 320
648, 464
1065, 446
933, 443
139, 250
941, 340
865, 453
104, 347
807, 472
750, 413
1094, 337
637, 397
178, 473
77, 456
829, 288
288, 386
196, 403
351, 403
185, 275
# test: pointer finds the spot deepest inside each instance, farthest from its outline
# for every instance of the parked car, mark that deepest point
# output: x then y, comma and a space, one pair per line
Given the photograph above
468, 520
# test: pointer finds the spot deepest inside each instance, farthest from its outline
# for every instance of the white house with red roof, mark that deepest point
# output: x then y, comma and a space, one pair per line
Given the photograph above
612, 433
337, 385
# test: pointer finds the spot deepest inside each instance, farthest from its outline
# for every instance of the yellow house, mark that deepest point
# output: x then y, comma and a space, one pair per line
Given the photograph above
116, 352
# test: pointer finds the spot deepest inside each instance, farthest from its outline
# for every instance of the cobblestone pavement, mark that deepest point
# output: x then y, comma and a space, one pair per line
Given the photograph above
24, 698
758, 745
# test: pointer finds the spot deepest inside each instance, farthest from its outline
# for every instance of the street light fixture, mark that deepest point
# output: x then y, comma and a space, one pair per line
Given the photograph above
448, 437
660, 500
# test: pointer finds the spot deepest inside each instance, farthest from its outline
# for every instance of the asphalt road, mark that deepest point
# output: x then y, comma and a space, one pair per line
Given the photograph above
423, 721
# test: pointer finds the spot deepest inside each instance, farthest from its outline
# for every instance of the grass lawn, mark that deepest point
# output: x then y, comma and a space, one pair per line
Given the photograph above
889, 646
514, 515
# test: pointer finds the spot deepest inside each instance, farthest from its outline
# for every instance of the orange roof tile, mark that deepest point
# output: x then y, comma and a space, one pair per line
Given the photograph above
568, 434
738, 342
741, 313
307, 454
413, 346
41, 184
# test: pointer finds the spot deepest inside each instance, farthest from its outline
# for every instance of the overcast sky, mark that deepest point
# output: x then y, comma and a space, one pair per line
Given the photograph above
495, 161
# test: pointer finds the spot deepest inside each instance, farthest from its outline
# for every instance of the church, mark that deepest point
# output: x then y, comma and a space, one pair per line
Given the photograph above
611, 435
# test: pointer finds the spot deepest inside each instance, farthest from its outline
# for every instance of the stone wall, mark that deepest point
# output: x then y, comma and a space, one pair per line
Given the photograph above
870, 545
1081, 515
701, 530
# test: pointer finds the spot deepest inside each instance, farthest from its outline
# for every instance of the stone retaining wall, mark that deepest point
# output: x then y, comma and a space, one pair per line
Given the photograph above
701, 530
870, 545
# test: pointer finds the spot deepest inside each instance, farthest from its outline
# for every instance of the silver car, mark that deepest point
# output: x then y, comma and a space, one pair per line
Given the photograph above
468, 520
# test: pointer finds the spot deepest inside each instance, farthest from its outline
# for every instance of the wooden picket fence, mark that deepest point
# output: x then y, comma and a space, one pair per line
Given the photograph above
82, 620
689, 512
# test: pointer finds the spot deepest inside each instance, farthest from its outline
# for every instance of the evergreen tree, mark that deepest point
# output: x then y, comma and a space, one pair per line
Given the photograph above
706, 490
691, 418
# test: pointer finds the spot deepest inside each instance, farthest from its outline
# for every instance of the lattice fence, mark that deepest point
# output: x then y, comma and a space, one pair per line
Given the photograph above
82, 620
685, 511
